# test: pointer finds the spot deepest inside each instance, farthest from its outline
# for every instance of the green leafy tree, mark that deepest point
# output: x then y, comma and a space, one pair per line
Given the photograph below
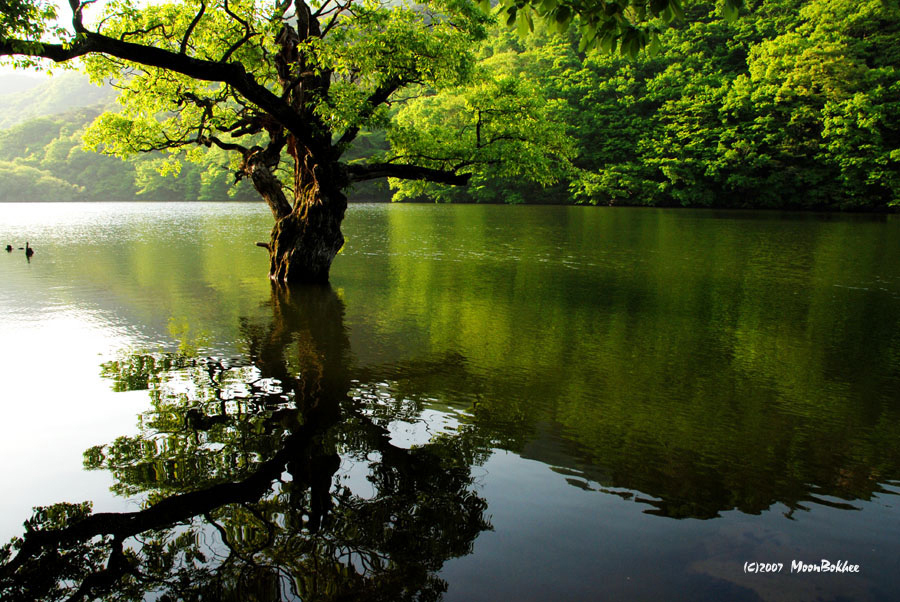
286, 88
499, 115
793, 105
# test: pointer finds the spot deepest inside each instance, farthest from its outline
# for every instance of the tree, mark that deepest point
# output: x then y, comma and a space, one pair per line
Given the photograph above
286, 87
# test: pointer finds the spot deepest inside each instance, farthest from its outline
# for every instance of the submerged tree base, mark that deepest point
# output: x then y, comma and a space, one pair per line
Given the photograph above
305, 242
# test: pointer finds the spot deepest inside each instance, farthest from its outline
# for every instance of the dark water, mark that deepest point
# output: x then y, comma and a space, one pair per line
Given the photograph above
489, 403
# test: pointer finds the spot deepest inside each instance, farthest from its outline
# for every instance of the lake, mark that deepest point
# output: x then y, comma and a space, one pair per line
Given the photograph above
488, 403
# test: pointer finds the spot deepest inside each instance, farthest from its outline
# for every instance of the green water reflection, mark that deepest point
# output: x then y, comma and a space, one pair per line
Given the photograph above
697, 363
714, 361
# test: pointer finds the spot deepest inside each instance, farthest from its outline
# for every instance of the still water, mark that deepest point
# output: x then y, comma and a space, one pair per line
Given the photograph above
488, 403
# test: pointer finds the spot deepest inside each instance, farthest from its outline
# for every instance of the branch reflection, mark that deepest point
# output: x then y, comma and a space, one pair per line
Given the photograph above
240, 463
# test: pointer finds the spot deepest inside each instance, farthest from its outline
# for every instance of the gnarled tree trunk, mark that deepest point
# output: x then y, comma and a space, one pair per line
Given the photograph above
305, 242
307, 232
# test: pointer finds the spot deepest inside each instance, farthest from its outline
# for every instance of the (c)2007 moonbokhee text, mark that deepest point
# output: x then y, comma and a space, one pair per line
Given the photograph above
798, 566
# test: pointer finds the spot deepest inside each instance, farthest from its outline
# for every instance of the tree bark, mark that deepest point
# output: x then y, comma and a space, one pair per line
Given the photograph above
306, 241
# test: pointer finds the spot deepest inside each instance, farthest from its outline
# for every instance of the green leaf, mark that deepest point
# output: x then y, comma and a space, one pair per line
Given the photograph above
583, 44
654, 46
512, 16
607, 42
522, 25
547, 6
730, 12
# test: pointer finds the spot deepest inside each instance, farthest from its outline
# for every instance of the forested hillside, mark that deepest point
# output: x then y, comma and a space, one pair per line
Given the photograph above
29, 97
42, 159
795, 104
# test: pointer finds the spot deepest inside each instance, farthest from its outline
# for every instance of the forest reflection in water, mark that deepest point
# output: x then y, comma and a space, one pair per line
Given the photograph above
239, 465
503, 403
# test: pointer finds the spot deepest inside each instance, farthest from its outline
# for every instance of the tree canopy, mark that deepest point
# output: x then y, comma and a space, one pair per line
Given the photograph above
215, 73
791, 105
284, 85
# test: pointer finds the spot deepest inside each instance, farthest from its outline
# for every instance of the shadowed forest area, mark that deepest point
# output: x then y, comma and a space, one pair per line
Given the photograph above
795, 104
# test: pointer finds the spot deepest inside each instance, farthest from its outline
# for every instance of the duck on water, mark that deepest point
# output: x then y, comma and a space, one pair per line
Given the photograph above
29, 251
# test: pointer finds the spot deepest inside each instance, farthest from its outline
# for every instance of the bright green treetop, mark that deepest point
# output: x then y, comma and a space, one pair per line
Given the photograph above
287, 87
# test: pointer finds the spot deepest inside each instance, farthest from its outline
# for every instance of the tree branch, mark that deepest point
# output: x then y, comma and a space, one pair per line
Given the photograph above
260, 164
233, 74
360, 173
190, 29
229, 146
376, 99
334, 20
136, 32
248, 33
77, 23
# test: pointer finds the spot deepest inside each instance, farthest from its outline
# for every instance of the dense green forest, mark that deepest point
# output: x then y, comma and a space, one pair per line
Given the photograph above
795, 104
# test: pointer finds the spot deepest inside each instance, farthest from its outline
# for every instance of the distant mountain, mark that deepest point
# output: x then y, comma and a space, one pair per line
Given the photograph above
25, 97
41, 158
13, 83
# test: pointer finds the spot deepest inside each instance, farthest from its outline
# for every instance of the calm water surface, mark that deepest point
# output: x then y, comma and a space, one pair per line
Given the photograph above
488, 403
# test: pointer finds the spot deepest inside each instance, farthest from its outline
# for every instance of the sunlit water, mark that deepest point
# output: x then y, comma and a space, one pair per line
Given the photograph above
589, 403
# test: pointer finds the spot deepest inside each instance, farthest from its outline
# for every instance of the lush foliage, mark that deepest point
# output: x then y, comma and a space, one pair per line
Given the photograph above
285, 88
794, 104
485, 124
626, 25
482, 124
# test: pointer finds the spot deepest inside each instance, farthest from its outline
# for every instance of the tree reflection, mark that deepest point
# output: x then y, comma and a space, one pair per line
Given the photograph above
239, 462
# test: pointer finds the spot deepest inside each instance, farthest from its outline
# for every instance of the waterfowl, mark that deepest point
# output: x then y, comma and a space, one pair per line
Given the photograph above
28, 250
9, 248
